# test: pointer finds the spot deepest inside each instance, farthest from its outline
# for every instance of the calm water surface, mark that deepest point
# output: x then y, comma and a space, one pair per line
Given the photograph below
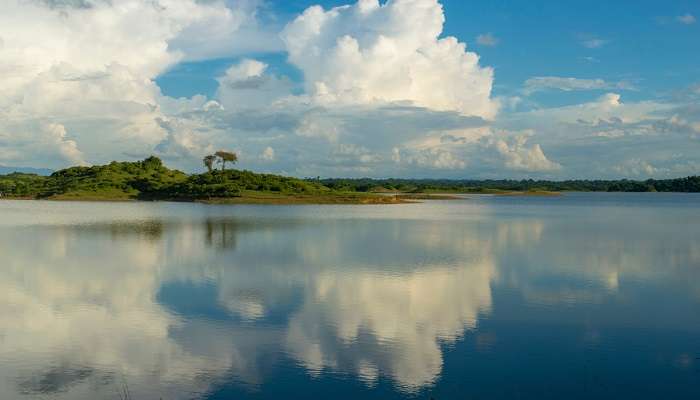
582, 296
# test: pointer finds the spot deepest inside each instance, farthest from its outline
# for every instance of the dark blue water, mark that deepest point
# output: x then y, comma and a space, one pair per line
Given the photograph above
577, 297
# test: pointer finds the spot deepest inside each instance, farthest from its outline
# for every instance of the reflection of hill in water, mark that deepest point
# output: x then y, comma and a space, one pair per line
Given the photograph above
217, 233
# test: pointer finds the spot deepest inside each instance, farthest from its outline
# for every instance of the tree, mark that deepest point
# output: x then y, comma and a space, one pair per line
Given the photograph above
151, 162
209, 162
226, 156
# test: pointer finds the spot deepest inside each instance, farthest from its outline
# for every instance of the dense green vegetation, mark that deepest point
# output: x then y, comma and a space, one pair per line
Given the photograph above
148, 180
21, 185
234, 183
689, 184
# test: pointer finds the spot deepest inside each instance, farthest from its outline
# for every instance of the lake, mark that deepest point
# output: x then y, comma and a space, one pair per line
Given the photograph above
574, 297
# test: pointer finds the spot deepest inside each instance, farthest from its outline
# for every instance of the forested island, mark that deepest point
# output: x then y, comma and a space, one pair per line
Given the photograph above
150, 179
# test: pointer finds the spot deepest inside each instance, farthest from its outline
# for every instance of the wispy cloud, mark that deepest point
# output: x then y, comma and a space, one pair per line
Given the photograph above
487, 39
542, 83
592, 41
687, 19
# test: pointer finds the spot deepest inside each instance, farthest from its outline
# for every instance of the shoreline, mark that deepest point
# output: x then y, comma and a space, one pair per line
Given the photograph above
250, 199
462, 195
542, 193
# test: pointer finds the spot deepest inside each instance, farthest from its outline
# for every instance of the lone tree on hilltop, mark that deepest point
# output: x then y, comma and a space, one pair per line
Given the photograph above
226, 156
209, 162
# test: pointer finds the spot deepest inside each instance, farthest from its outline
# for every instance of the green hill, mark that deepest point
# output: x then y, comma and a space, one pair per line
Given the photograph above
116, 181
151, 180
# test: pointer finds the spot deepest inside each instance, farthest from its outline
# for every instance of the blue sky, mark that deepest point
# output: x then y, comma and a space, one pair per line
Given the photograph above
644, 45
642, 42
368, 89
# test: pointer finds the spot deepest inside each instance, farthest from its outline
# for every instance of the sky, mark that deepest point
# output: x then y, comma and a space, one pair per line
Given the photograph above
356, 88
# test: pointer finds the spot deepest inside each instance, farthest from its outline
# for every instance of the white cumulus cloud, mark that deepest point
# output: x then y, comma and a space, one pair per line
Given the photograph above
518, 156
247, 85
89, 66
381, 91
388, 53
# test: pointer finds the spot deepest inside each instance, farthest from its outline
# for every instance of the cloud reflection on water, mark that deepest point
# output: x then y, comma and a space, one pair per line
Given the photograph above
81, 305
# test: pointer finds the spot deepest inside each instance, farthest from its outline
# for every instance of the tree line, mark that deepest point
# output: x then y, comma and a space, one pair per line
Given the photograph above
688, 184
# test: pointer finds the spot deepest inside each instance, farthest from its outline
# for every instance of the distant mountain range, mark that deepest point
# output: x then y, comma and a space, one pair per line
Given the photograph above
25, 170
